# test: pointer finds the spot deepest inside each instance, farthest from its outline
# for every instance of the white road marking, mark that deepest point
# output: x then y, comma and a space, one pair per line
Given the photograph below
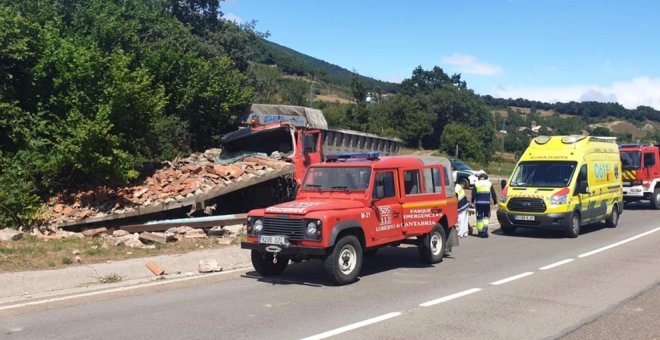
118, 289
353, 326
556, 264
509, 279
618, 243
449, 297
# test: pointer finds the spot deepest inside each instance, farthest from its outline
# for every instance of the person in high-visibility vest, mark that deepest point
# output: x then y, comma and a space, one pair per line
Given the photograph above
481, 195
463, 206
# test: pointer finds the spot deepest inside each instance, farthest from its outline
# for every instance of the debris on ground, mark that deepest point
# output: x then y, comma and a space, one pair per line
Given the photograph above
9, 235
209, 266
154, 268
176, 181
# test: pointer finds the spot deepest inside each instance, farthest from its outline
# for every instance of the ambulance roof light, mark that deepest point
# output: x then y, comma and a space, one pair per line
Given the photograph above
572, 139
542, 139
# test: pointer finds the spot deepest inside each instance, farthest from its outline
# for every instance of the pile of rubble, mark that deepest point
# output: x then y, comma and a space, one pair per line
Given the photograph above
175, 181
146, 240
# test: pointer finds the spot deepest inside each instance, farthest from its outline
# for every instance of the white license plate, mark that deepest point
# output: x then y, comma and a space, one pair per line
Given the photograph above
523, 218
269, 239
626, 183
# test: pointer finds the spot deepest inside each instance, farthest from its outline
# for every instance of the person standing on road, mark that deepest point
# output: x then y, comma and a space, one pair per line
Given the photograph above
481, 195
463, 206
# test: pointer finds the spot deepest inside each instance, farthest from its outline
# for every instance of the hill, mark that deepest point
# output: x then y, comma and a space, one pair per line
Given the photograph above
296, 63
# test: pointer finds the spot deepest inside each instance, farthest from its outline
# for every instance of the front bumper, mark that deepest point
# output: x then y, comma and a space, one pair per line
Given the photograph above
635, 193
284, 250
556, 221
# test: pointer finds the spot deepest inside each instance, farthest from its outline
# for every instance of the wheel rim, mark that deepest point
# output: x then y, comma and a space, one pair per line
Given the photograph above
576, 224
347, 259
436, 244
615, 216
657, 198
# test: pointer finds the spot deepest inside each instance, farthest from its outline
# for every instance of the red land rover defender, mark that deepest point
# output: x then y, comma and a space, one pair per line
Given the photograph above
640, 165
354, 203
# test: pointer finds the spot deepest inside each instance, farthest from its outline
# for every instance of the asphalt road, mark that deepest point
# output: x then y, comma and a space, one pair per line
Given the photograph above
533, 285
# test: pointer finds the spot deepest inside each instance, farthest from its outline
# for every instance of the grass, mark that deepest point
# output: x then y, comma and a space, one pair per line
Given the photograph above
31, 253
110, 278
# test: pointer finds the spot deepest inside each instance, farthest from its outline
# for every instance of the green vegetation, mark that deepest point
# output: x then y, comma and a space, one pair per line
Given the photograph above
93, 91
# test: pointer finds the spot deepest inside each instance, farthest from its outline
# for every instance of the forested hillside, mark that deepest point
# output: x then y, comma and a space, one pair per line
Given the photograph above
92, 92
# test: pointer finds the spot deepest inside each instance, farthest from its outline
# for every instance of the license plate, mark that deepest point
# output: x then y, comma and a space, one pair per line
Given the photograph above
270, 239
523, 218
626, 183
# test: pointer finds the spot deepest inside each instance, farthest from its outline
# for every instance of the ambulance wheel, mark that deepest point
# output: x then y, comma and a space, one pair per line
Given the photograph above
508, 230
263, 263
432, 246
655, 200
574, 227
345, 261
613, 220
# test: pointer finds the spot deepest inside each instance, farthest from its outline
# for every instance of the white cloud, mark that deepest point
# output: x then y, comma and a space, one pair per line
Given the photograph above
630, 94
465, 63
232, 17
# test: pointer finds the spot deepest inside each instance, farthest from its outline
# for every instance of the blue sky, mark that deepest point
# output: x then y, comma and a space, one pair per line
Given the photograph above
550, 50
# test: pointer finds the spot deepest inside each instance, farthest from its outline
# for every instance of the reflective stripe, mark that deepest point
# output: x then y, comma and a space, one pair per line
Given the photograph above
483, 191
462, 199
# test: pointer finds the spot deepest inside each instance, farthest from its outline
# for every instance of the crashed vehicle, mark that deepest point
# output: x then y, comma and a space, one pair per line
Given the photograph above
350, 206
465, 176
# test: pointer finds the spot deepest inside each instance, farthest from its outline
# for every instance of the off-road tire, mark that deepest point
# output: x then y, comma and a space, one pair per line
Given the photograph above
574, 228
613, 220
263, 263
508, 230
345, 261
655, 200
432, 245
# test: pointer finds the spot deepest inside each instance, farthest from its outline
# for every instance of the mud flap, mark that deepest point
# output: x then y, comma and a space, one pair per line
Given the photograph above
452, 239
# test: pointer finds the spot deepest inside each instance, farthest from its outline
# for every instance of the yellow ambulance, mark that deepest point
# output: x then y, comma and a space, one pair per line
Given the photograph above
562, 183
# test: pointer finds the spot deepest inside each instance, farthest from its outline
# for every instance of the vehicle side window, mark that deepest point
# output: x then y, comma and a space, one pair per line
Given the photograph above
315, 142
582, 176
446, 178
411, 182
384, 185
432, 181
649, 160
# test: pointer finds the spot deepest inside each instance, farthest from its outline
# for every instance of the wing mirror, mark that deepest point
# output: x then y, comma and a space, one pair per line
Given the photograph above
583, 187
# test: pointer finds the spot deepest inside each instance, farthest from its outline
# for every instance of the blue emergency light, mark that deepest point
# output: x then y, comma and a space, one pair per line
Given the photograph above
351, 156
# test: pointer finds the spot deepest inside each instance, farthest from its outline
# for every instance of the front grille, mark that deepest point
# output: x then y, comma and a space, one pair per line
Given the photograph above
519, 222
525, 204
292, 228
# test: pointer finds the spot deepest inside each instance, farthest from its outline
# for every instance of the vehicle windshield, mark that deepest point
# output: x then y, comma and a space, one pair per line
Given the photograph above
553, 174
460, 166
631, 160
337, 178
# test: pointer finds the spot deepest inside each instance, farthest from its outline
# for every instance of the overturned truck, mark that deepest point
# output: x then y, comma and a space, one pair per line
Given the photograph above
260, 164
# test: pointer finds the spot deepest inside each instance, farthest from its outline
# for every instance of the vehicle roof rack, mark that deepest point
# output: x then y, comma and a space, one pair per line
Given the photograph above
352, 156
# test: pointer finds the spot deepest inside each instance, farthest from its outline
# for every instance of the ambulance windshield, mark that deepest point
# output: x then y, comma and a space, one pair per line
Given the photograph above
337, 178
631, 160
547, 174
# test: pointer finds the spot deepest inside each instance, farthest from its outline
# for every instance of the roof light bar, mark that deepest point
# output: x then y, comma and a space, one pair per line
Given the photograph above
542, 139
352, 156
572, 139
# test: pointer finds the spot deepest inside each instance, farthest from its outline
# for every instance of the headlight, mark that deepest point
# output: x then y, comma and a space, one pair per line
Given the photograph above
311, 228
558, 200
258, 225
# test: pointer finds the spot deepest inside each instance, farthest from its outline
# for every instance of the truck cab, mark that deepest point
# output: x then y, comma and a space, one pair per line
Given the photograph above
351, 205
641, 173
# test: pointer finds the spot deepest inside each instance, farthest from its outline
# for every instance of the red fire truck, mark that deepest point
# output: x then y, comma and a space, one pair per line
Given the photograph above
350, 206
641, 173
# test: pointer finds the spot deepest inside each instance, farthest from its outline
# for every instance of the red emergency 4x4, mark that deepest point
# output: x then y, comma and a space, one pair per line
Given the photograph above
349, 206
640, 166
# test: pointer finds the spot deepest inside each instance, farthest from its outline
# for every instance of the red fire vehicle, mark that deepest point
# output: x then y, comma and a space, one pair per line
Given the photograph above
353, 204
641, 173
